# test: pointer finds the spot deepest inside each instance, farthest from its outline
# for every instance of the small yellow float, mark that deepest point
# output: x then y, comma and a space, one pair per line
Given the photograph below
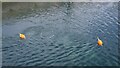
100, 43
22, 36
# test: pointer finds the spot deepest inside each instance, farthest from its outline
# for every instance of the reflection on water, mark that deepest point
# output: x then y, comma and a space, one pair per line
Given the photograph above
62, 35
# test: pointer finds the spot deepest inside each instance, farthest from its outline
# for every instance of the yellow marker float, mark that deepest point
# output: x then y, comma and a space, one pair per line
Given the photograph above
100, 43
22, 36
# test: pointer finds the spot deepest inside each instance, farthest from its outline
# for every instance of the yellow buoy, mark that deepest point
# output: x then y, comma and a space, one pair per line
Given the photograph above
22, 36
100, 43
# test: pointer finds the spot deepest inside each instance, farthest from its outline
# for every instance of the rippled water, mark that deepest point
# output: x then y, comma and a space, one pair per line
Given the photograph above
63, 35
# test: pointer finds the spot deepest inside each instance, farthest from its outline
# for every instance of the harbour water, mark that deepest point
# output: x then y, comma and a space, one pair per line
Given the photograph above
61, 34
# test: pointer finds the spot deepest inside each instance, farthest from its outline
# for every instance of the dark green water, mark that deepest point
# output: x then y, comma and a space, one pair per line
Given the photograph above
62, 35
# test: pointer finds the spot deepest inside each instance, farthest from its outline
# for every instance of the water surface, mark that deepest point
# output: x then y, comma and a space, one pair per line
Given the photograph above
63, 34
